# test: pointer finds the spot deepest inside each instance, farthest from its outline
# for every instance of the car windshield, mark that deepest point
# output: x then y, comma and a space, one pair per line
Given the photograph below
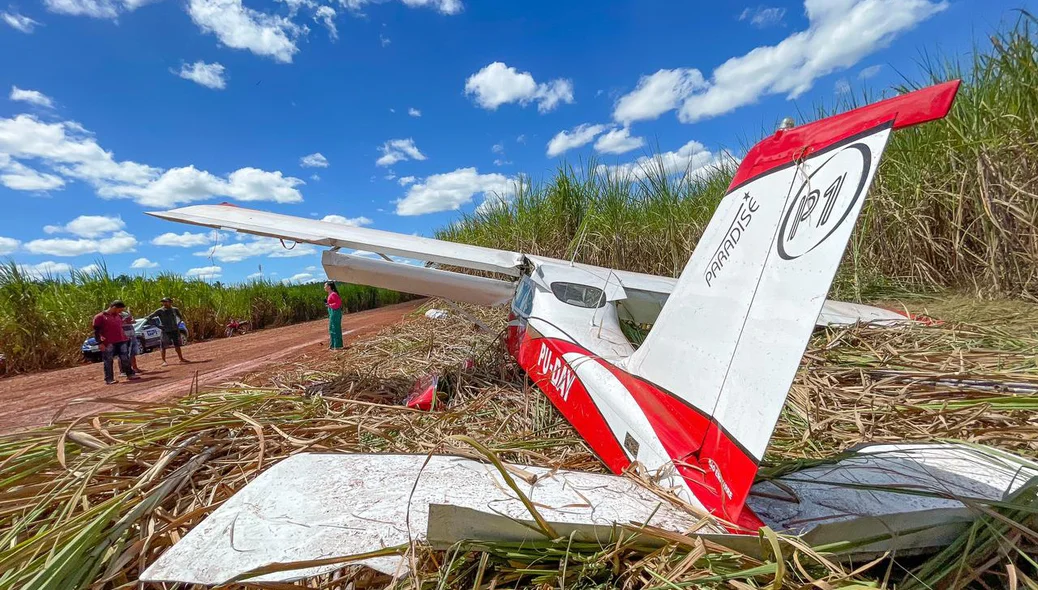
578, 295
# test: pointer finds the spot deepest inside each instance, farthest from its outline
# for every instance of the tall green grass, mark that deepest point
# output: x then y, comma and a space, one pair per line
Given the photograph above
43, 323
954, 206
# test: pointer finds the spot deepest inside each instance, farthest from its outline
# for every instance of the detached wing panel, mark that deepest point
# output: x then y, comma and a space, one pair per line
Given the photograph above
324, 233
416, 279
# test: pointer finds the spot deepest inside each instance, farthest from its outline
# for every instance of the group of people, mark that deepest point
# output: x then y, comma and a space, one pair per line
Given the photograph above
114, 333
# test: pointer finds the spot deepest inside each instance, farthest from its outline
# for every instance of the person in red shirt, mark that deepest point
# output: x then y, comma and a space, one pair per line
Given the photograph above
334, 303
108, 331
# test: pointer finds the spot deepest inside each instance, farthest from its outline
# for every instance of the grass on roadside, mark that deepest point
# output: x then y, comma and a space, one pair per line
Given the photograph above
43, 323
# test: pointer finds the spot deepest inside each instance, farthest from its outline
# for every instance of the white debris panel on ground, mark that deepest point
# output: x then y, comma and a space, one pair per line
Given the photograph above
312, 506
319, 506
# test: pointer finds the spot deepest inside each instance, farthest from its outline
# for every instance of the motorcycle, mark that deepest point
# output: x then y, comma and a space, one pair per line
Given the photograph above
236, 327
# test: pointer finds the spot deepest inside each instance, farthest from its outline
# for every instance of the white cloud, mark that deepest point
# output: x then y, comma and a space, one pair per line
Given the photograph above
299, 279
45, 270
295, 5
205, 273
17, 176
184, 240
91, 269
142, 263
414, 112
88, 226
763, 16
521, 138
494, 200
326, 16
578, 136
18, 21
8, 245
256, 247
69, 149
449, 7
31, 96
618, 141
239, 27
385, 41
499, 149
390, 176
842, 86
406, 180
690, 158
311, 268
448, 192
188, 184
109, 9
869, 72
208, 75
350, 221
117, 243
254, 276
72, 152
840, 34
398, 150
658, 93
443, 6
498, 84
315, 177
314, 160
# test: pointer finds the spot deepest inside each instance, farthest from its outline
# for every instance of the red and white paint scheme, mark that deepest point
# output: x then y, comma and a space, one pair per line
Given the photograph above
696, 402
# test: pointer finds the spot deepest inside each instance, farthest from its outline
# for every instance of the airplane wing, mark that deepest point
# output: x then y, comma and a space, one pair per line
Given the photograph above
337, 235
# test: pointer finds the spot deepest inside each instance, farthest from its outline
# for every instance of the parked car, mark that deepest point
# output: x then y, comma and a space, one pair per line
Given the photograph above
148, 335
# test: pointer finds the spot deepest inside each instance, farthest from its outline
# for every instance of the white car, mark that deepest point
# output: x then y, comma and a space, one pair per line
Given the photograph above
148, 335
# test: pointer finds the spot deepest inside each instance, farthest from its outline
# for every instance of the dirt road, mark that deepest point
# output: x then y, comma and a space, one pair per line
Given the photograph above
41, 398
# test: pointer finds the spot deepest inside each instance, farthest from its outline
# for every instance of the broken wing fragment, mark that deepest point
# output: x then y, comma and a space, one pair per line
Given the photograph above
312, 506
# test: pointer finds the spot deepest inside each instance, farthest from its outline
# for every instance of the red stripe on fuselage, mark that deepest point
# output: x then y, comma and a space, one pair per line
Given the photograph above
575, 403
719, 473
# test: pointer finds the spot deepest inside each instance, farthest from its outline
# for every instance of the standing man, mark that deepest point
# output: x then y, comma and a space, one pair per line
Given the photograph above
169, 322
108, 330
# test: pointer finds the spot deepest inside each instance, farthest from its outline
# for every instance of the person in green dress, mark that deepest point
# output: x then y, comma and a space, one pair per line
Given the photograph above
334, 303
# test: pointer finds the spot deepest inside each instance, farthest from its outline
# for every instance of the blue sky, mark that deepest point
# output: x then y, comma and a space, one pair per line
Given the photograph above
395, 114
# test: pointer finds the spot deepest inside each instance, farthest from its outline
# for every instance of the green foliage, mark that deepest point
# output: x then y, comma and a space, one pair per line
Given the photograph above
43, 323
954, 206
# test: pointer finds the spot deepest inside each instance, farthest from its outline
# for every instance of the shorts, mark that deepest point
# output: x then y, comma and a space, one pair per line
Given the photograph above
171, 339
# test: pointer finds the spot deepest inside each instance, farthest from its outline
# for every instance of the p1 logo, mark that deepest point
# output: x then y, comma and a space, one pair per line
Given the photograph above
824, 201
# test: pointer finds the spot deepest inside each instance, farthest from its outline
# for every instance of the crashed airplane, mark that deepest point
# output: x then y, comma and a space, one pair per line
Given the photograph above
693, 400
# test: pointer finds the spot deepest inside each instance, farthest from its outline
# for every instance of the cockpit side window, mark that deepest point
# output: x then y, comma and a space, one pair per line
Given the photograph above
578, 295
522, 303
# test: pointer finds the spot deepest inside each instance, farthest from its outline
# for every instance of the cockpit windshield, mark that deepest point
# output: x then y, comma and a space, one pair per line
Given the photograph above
578, 295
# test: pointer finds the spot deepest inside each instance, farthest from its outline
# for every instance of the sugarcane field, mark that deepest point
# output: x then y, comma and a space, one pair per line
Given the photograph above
772, 324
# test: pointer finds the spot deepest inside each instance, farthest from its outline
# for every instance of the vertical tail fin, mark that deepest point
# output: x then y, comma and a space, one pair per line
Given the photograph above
730, 338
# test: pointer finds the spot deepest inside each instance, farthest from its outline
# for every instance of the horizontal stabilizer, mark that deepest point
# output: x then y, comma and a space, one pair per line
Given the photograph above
417, 280
326, 233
